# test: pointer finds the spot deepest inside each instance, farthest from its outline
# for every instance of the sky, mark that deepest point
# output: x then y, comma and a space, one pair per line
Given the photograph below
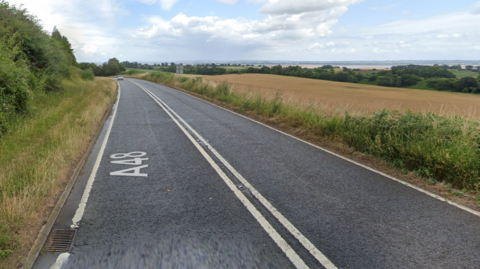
290, 30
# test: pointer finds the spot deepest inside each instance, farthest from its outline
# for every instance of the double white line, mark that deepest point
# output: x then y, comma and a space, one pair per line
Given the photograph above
291, 254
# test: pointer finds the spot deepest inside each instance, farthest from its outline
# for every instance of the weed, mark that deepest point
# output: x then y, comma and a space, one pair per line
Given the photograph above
457, 193
5, 245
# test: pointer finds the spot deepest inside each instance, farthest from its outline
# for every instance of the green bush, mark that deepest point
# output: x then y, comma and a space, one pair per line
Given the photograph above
446, 148
5, 243
31, 61
87, 74
14, 89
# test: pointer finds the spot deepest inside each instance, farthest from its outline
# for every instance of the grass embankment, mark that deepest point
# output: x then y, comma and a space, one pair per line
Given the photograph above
438, 148
38, 155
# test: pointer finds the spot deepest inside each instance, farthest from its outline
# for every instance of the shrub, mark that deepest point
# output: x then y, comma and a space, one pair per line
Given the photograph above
389, 81
442, 84
15, 93
87, 74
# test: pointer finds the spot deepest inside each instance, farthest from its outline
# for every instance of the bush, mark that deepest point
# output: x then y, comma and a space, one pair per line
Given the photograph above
87, 74
466, 82
390, 81
442, 84
434, 146
15, 93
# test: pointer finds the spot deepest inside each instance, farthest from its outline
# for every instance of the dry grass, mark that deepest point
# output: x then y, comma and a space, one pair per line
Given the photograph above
39, 155
338, 97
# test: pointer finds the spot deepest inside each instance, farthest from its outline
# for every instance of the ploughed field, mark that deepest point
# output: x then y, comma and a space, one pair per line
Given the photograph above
357, 98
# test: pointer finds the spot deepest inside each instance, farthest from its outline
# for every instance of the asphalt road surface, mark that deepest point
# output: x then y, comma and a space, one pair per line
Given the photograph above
175, 182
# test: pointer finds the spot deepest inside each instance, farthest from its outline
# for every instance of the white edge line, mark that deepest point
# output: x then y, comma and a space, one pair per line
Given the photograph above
86, 193
474, 212
291, 254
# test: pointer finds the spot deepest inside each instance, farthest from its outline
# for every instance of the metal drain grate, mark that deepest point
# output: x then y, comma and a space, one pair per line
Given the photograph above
61, 240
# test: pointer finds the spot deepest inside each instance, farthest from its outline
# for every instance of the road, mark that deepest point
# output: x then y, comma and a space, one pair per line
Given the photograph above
174, 181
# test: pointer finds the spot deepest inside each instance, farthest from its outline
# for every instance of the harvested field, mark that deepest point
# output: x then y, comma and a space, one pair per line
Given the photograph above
356, 98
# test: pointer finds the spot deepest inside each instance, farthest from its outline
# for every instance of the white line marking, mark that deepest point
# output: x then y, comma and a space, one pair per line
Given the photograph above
61, 261
86, 193
474, 212
296, 260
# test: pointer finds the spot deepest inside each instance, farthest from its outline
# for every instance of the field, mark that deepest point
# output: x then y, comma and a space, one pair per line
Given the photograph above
356, 98
464, 73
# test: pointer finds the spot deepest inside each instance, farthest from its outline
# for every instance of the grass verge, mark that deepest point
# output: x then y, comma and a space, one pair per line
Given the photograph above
38, 155
440, 149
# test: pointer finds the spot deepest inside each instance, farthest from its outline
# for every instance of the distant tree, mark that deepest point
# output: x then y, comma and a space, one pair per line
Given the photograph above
409, 80
466, 82
112, 68
469, 67
373, 77
340, 76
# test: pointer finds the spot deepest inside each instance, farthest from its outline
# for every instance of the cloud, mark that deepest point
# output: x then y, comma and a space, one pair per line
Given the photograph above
273, 31
279, 7
231, 2
446, 23
167, 4
476, 8
89, 49
384, 7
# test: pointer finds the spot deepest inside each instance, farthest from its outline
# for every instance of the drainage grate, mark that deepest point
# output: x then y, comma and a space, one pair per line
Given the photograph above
61, 240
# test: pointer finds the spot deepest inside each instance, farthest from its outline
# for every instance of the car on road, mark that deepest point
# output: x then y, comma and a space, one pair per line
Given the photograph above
120, 77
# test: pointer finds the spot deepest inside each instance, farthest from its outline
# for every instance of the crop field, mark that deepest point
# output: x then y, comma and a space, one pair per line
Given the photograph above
464, 73
356, 98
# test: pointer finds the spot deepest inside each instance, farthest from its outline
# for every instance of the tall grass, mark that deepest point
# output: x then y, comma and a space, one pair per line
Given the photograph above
37, 154
439, 148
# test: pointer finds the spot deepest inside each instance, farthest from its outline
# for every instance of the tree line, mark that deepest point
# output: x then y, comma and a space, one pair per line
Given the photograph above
111, 68
434, 77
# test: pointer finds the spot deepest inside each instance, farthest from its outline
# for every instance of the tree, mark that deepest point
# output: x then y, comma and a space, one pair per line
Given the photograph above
343, 77
373, 77
65, 45
112, 68
466, 82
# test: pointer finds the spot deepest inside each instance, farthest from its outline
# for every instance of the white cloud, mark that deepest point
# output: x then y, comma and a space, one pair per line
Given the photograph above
273, 32
384, 7
279, 7
89, 49
445, 23
167, 4
231, 2
476, 8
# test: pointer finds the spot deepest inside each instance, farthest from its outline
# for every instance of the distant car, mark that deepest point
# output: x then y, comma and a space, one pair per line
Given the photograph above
120, 77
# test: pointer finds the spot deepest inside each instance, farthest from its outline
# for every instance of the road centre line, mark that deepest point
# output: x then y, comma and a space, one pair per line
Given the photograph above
431, 194
289, 226
291, 254
283, 220
86, 193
